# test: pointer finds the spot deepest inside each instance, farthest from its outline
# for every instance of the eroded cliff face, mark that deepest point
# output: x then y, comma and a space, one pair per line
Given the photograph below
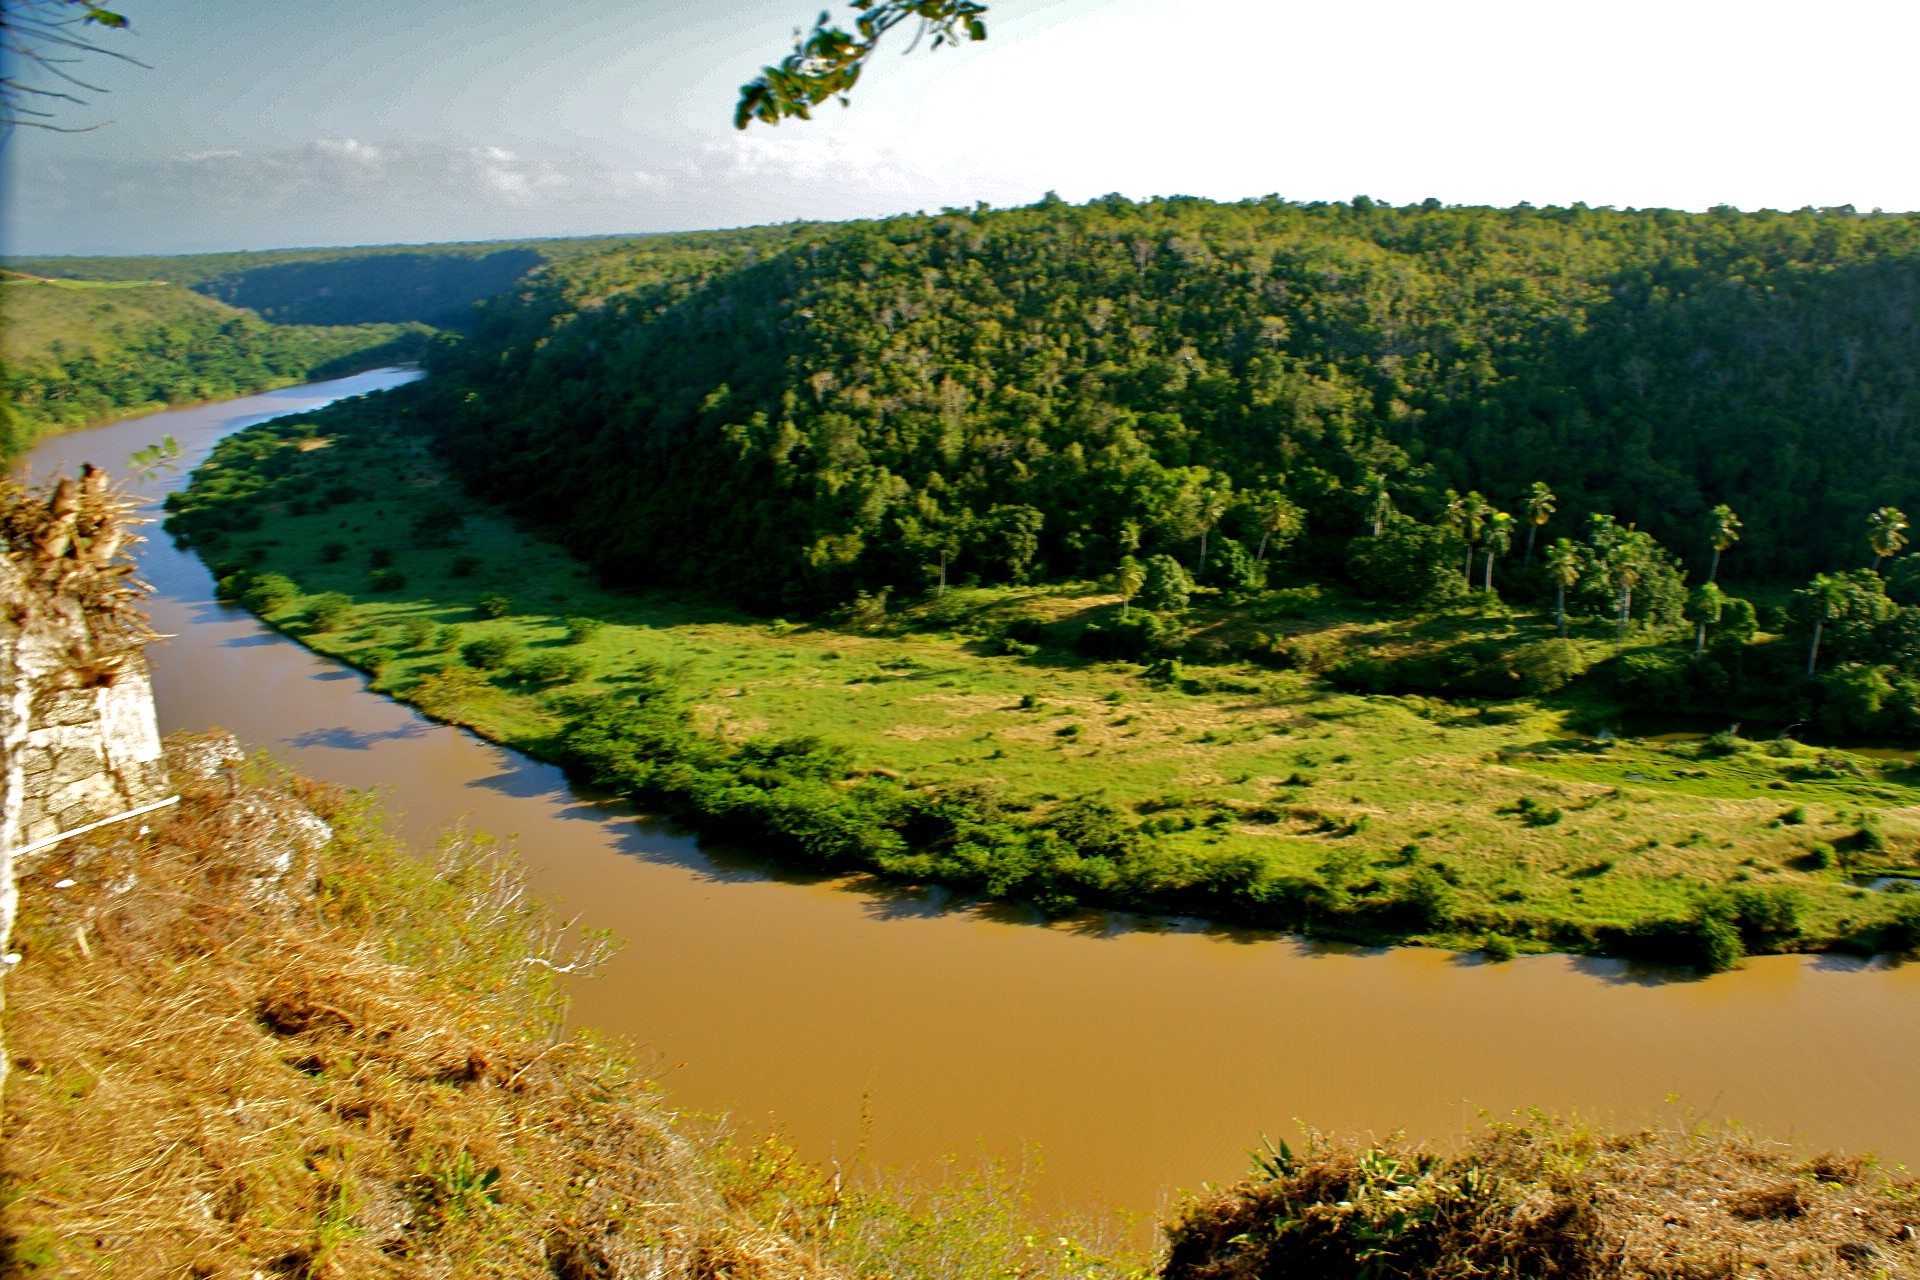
79, 744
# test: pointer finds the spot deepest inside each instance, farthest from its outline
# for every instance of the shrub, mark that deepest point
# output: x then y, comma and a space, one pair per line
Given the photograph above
1141, 637
374, 660
464, 566
387, 580
1546, 665
328, 610
1498, 947
416, 632
1820, 856
1533, 813
550, 669
445, 637
489, 653
1901, 932
269, 592
1794, 817
333, 553
1767, 917
493, 606
580, 629
1167, 587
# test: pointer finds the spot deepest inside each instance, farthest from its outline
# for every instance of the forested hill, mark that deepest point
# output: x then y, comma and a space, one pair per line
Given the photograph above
386, 284
798, 413
75, 352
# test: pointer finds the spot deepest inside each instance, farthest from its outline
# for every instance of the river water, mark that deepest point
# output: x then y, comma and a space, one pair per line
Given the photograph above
1138, 1058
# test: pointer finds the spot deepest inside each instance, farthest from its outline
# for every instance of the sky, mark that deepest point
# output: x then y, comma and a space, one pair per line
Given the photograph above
337, 122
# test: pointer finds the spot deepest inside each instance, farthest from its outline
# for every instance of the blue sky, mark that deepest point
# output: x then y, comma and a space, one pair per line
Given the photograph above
381, 121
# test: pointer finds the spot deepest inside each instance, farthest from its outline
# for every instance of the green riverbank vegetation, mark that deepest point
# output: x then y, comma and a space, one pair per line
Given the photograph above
261, 1037
77, 352
1255, 755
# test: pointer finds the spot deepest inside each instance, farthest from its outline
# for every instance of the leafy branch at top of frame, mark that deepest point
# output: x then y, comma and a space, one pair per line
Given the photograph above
827, 61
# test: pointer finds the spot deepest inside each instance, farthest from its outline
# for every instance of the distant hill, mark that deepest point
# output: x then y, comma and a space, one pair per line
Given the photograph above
386, 284
74, 352
794, 414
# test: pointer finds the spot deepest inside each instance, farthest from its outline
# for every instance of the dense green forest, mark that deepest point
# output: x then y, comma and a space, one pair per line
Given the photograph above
74, 352
796, 415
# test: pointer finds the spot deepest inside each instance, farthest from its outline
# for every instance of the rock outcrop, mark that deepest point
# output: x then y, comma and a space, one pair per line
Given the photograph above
79, 744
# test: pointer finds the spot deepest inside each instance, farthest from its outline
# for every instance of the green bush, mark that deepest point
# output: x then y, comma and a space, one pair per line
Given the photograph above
464, 566
415, 633
550, 669
328, 611
387, 580
1546, 665
1167, 587
1139, 638
333, 553
269, 593
493, 606
489, 653
581, 629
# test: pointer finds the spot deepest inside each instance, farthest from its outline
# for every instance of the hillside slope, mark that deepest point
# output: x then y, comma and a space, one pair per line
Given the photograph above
76, 352
810, 411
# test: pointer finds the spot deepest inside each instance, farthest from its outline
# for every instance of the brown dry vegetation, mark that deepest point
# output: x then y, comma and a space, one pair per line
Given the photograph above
223, 1073
1546, 1197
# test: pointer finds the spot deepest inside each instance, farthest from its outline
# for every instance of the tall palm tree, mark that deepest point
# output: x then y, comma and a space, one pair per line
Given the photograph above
1723, 530
1499, 541
1474, 511
1130, 577
1826, 596
1627, 559
1211, 503
1704, 607
1539, 507
1379, 501
1563, 566
1277, 517
1886, 533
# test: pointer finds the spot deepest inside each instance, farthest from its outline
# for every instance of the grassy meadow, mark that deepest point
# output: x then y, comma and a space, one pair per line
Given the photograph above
1542, 832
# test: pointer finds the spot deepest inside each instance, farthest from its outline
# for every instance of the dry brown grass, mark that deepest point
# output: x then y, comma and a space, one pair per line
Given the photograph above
222, 1071
1546, 1197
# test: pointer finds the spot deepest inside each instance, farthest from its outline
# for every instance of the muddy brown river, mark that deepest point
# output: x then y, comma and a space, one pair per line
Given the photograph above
1136, 1057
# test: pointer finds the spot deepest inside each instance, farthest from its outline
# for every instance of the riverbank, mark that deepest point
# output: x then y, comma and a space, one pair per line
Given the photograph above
263, 1036
1238, 793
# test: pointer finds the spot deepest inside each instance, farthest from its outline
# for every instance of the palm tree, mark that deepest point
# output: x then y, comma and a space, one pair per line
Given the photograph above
1539, 506
1886, 533
1704, 607
1826, 597
1379, 501
1474, 511
1277, 517
1210, 504
1563, 566
1626, 560
1499, 541
1723, 530
1130, 577
1453, 518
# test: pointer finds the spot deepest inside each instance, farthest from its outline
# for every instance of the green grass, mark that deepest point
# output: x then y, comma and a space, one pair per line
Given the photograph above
1360, 790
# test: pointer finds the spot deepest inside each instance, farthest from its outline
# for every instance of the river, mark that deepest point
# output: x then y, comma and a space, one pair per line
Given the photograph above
1137, 1058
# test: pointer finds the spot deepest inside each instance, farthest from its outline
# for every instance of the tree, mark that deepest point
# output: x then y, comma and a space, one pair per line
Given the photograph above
1379, 501
1013, 537
1129, 577
1886, 533
1704, 606
1539, 507
1564, 567
1278, 520
827, 62
1723, 530
1820, 602
1499, 541
1623, 554
45, 40
1212, 501
1165, 587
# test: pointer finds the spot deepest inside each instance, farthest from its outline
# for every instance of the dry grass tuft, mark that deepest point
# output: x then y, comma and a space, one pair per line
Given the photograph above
1547, 1197
229, 1066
